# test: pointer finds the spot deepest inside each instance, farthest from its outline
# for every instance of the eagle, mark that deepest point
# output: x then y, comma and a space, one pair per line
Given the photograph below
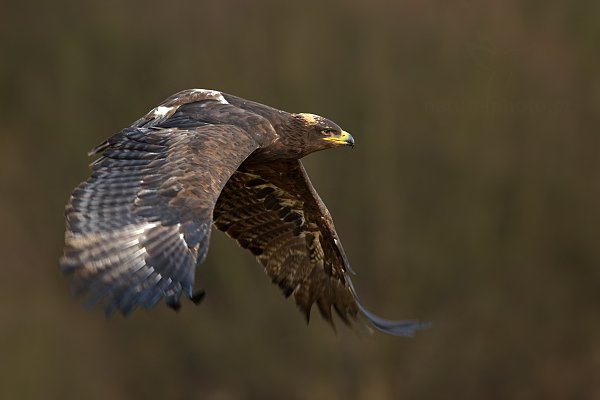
139, 226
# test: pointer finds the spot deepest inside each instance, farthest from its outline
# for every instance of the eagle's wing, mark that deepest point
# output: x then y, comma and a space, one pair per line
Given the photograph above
273, 210
140, 224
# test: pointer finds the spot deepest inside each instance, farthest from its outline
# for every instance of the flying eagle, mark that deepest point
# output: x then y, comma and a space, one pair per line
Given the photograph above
139, 226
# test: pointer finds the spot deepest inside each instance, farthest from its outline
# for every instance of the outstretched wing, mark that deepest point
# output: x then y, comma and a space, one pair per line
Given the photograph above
137, 228
273, 210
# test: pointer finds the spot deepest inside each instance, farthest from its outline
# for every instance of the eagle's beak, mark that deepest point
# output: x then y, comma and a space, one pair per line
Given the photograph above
344, 139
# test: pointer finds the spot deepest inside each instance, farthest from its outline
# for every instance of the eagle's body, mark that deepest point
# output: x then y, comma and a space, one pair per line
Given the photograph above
139, 226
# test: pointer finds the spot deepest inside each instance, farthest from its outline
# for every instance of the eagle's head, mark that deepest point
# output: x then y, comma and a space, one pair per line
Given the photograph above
321, 133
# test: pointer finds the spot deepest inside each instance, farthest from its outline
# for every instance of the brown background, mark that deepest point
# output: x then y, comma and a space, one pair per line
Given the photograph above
471, 198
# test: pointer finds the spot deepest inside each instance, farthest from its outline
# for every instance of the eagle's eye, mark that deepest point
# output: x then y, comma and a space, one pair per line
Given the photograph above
328, 131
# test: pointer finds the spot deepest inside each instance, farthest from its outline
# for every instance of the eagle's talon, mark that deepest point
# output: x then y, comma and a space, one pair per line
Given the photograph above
175, 306
198, 297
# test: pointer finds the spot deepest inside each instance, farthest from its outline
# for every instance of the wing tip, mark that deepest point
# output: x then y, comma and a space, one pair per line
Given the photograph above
405, 328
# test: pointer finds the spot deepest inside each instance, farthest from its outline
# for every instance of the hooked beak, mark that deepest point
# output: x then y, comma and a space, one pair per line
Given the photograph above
344, 139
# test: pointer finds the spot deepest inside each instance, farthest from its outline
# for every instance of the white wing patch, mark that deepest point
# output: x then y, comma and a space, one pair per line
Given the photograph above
212, 94
161, 111
172, 104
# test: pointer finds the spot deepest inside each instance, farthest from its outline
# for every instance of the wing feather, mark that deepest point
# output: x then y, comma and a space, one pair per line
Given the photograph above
273, 210
137, 228
269, 210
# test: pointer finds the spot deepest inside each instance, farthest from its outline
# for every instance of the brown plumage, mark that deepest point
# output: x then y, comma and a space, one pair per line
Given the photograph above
139, 226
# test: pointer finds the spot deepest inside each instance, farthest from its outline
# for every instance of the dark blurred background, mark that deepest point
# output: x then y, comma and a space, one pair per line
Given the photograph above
471, 198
